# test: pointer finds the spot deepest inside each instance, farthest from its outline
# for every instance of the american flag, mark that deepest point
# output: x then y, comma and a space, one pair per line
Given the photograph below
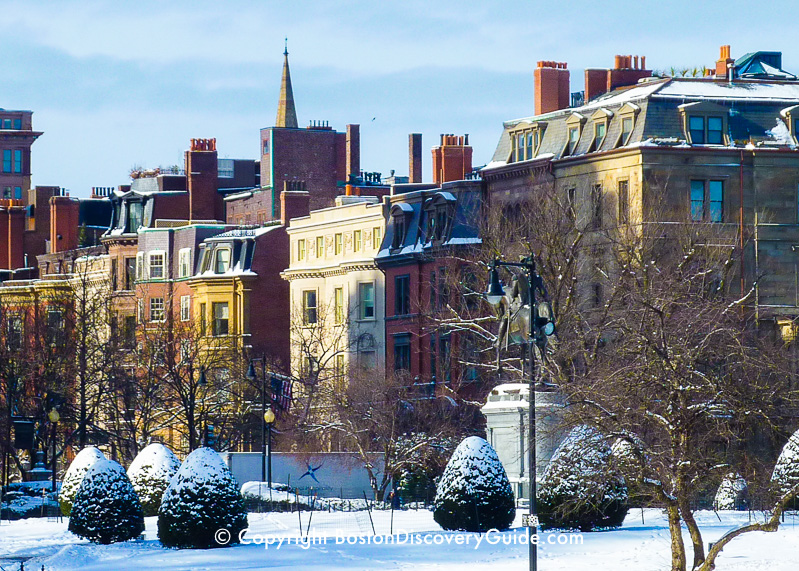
281, 392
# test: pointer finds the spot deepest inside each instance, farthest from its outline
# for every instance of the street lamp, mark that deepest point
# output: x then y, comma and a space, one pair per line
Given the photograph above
266, 423
540, 327
54, 418
269, 419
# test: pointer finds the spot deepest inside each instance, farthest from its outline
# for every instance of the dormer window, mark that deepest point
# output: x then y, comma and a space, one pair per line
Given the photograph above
440, 210
574, 126
626, 129
627, 114
705, 123
574, 138
791, 116
600, 120
400, 219
525, 142
222, 260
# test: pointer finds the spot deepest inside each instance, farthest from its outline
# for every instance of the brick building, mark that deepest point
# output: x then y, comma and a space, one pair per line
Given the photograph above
719, 149
427, 225
238, 294
317, 157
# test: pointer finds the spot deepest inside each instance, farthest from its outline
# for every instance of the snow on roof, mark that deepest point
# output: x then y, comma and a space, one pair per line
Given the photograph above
617, 97
750, 91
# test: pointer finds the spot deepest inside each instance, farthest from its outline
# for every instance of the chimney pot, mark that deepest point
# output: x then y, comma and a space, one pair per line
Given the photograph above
643, 62
617, 62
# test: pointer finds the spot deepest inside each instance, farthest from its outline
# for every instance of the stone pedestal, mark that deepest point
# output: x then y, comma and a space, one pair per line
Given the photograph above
508, 430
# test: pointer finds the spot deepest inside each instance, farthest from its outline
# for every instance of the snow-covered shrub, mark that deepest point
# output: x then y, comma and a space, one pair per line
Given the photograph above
474, 493
202, 498
106, 508
577, 490
150, 473
786, 470
84, 460
732, 493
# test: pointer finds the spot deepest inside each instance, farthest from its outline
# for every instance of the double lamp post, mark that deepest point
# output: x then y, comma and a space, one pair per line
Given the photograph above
541, 326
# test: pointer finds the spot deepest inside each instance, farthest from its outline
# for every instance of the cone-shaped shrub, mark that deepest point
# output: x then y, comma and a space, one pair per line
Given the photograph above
732, 493
577, 489
786, 470
150, 473
474, 493
202, 498
84, 460
106, 509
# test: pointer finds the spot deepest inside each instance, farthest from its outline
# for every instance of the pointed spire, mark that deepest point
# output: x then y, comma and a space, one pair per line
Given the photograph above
286, 113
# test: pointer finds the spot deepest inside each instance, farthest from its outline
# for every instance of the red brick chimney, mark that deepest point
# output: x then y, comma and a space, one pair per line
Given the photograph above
551, 87
627, 70
452, 159
724, 61
415, 157
294, 204
202, 179
353, 150
64, 222
12, 234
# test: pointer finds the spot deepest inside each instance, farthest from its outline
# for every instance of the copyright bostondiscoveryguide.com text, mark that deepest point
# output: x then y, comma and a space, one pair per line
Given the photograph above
475, 540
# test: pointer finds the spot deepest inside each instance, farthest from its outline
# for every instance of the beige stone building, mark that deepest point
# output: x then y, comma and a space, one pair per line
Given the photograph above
337, 291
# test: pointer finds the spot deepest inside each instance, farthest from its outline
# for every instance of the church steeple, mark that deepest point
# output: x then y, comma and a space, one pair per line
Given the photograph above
286, 113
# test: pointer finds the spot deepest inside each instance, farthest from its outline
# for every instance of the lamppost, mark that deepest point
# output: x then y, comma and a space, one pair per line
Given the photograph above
540, 327
54, 418
201, 382
265, 422
269, 420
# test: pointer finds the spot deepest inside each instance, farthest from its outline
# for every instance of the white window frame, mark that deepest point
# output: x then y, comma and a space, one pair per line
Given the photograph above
163, 309
185, 307
184, 262
153, 254
361, 305
139, 265
216, 258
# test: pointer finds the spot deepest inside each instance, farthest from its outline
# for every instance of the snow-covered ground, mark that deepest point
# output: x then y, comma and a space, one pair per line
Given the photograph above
418, 543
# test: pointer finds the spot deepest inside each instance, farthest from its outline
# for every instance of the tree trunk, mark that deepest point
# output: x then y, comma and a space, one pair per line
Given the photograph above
696, 535
677, 545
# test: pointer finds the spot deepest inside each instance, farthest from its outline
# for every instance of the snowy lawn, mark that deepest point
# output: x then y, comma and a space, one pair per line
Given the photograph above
637, 546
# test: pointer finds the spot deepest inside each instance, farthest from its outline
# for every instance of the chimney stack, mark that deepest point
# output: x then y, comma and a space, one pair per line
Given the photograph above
627, 70
452, 160
353, 150
724, 61
64, 223
202, 179
294, 203
415, 158
551, 87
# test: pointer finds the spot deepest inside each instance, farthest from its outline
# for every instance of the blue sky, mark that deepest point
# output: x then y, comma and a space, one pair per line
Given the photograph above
118, 84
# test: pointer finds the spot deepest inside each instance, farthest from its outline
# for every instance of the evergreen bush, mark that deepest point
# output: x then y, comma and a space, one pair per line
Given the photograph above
84, 460
577, 490
786, 470
150, 473
202, 498
106, 508
474, 493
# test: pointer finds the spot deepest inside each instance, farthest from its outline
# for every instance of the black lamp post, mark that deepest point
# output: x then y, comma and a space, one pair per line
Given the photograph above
201, 382
54, 418
265, 424
269, 420
541, 326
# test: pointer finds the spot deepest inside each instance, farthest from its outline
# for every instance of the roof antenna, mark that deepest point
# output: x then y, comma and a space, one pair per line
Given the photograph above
286, 49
